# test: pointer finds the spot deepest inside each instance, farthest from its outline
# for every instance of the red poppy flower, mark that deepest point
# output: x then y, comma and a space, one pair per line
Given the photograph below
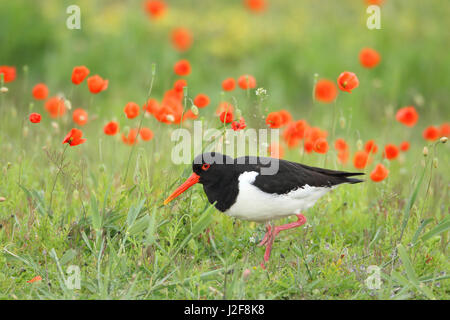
35, 118
151, 106
343, 156
391, 151
340, 144
146, 134
274, 120
111, 128
360, 159
247, 81
181, 39
431, 133
171, 108
201, 100
255, 5
40, 91
445, 130
286, 117
9, 73
79, 73
379, 173
308, 146
73, 138
238, 125
182, 68
275, 151
97, 84
55, 107
228, 84
35, 279
155, 8
314, 133
179, 85
325, 91
131, 138
226, 117
404, 146
294, 132
321, 145
131, 110
375, 2
80, 117
369, 58
347, 81
371, 147
407, 115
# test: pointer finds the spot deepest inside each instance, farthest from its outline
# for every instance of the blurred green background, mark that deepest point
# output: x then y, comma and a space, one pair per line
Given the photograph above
282, 47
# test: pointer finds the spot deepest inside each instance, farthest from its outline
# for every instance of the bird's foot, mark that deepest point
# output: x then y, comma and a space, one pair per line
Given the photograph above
271, 233
266, 236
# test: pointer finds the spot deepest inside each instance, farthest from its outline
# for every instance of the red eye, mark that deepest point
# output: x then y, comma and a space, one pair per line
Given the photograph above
205, 166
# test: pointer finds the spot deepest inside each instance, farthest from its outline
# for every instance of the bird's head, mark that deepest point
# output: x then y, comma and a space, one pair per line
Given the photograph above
208, 168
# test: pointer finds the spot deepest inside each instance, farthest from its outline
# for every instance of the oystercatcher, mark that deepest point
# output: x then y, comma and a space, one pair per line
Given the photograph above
243, 189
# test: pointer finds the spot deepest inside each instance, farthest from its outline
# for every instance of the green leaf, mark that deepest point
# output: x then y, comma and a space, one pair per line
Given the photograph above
139, 226
68, 256
134, 212
411, 201
422, 226
96, 218
407, 264
151, 230
443, 226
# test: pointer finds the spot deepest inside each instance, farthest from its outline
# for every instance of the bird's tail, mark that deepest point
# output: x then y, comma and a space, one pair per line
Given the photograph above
353, 180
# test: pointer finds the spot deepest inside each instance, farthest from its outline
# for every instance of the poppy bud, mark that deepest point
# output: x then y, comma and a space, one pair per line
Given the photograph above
425, 151
2, 199
55, 125
238, 113
25, 131
194, 109
435, 162
359, 144
3, 89
68, 104
342, 122
444, 139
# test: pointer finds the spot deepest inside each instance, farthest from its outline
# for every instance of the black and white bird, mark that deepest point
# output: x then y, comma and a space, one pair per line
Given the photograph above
246, 189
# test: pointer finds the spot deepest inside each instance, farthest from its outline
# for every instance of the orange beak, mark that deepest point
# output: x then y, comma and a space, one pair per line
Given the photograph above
193, 179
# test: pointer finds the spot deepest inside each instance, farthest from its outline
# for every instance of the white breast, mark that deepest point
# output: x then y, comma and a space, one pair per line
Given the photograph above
255, 205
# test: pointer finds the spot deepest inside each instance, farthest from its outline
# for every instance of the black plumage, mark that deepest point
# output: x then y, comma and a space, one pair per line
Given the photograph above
220, 180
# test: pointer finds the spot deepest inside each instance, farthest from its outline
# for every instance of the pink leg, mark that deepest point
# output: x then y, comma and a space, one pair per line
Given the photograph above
268, 242
272, 233
301, 220
266, 236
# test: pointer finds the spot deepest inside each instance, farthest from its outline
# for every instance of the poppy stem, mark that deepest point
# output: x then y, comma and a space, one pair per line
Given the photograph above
149, 93
56, 178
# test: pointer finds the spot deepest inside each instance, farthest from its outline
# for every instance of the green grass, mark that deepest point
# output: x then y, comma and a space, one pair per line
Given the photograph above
128, 245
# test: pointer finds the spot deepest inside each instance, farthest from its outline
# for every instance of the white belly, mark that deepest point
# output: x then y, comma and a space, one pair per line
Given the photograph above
255, 205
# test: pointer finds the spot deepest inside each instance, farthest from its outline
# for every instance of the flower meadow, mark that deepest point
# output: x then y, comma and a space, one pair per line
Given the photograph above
86, 124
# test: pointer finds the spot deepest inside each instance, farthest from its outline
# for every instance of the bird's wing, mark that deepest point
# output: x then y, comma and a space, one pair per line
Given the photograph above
291, 176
